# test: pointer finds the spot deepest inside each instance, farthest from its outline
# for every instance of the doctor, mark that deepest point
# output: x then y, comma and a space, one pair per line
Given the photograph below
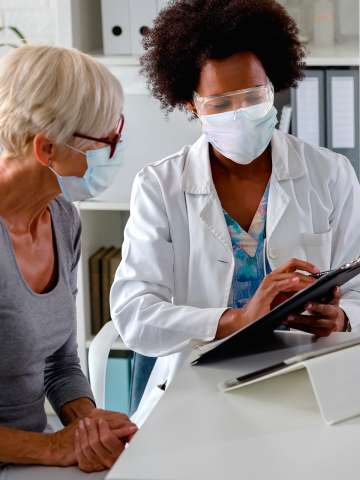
220, 231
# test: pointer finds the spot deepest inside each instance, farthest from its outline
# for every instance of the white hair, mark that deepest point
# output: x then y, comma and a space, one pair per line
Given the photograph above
56, 91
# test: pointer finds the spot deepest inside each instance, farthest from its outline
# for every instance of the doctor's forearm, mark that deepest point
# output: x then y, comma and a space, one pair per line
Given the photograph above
230, 321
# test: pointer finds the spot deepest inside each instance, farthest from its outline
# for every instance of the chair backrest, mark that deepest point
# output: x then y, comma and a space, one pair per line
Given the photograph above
98, 357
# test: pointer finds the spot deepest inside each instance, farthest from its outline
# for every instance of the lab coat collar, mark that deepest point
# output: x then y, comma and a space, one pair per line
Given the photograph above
288, 163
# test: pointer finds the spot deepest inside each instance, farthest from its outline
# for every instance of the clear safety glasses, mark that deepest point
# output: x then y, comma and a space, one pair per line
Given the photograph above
260, 98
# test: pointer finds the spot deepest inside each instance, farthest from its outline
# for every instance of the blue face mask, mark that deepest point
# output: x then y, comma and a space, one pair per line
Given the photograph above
98, 177
242, 135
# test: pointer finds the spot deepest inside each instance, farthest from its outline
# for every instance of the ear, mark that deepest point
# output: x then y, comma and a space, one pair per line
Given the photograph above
43, 149
190, 107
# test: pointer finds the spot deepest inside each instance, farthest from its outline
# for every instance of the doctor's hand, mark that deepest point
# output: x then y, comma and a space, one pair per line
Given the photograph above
97, 447
322, 319
275, 288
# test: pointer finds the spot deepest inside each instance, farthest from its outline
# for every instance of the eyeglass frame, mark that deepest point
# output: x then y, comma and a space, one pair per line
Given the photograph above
113, 143
196, 96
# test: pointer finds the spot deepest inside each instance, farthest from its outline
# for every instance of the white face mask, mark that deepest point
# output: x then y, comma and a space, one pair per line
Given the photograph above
98, 177
241, 135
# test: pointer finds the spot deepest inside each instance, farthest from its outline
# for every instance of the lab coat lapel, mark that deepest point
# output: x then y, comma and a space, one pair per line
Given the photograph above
287, 164
197, 181
278, 202
213, 217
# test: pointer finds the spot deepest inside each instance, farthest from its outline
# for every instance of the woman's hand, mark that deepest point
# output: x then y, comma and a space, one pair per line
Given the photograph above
97, 447
281, 282
323, 319
64, 454
115, 420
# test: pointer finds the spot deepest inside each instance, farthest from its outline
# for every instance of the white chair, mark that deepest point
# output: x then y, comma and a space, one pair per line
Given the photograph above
98, 357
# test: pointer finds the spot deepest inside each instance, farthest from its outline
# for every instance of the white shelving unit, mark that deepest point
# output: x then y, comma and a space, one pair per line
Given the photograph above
149, 136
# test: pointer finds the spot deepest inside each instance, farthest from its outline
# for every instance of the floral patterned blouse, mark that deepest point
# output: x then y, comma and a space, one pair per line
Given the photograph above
251, 264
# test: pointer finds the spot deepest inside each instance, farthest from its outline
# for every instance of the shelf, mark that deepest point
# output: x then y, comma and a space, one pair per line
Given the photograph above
116, 60
118, 345
105, 206
347, 54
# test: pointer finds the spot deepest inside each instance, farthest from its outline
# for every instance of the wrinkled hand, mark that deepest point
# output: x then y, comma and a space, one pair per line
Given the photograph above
115, 420
62, 446
323, 319
97, 447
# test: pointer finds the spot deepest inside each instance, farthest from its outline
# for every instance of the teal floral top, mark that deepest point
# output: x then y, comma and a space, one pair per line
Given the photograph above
251, 264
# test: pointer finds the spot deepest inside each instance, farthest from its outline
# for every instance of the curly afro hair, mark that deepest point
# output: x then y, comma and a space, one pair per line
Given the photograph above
189, 32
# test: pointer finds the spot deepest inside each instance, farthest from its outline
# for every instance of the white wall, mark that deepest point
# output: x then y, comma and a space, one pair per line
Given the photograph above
36, 19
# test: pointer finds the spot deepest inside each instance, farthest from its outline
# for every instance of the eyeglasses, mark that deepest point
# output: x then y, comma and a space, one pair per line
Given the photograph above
236, 100
112, 142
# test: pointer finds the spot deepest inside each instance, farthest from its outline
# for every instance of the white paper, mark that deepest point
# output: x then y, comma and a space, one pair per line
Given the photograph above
308, 110
343, 112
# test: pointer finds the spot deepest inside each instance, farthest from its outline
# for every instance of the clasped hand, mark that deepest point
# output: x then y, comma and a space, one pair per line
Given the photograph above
95, 442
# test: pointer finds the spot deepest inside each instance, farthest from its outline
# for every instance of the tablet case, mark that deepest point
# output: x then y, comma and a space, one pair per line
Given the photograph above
262, 328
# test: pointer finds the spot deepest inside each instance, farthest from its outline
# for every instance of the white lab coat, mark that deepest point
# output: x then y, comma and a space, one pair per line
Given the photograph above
177, 266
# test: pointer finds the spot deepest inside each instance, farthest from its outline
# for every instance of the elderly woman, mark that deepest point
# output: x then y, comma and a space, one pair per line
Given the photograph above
60, 126
224, 229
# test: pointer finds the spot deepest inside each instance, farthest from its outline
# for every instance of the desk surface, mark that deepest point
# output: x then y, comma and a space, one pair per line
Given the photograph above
270, 430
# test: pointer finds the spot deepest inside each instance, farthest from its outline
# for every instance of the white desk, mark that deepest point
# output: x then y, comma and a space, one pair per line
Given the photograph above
271, 430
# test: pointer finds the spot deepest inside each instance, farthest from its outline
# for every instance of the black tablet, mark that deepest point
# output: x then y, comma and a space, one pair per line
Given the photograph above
262, 328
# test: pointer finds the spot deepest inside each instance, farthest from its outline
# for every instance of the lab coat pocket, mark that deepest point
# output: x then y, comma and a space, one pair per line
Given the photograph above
318, 248
147, 406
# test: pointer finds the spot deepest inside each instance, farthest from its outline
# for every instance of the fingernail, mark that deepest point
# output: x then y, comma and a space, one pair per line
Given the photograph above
76, 433
309, 306
290, 317
81, 424
87, 422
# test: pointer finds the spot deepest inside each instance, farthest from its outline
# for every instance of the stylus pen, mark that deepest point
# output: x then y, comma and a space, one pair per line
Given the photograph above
320, 274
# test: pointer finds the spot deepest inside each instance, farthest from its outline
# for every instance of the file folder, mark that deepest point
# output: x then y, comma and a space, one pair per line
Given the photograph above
308, 102
142, 14
116, 27
343, 114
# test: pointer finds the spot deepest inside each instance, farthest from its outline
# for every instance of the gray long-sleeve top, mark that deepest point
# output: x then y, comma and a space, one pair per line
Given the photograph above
38, 347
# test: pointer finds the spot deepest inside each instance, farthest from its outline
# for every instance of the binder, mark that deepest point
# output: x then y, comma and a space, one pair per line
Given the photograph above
262, 328
343, 113
308, 102
114, 265
285, 120
116, 27
142, 14
95, 290
105, 282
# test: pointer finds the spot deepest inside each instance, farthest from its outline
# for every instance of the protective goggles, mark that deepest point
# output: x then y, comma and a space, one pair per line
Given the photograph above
261, 97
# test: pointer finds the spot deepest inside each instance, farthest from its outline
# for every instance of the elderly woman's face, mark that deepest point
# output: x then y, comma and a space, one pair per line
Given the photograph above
237, 72
69, 162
